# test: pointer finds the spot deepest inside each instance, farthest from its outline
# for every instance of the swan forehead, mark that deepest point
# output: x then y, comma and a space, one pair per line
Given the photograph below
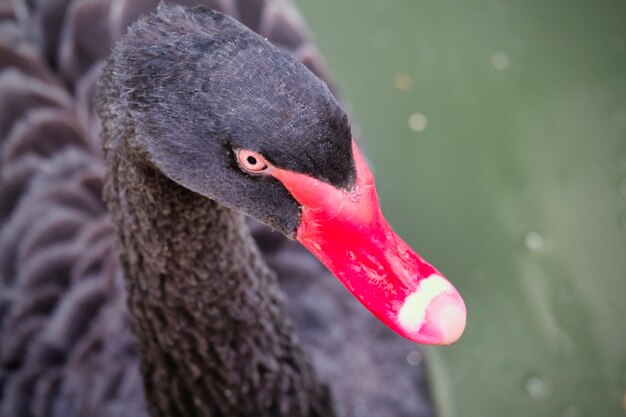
217, 81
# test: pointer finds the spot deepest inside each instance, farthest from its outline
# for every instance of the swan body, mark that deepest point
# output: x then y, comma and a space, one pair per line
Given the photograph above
65, 341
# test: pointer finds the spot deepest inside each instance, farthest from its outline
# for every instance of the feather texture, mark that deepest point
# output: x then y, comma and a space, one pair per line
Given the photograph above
66, 348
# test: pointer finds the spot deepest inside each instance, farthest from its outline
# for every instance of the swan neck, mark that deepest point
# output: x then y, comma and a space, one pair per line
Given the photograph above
211, 329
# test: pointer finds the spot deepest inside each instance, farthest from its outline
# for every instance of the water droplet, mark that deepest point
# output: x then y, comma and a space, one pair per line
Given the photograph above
570, 411
500, 61
403, 81
534, 241
621, 219
622, 187
417, 122
414, 358
426, 57
536, 388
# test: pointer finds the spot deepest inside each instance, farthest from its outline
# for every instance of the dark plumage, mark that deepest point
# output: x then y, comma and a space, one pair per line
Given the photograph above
196, 85
65, 344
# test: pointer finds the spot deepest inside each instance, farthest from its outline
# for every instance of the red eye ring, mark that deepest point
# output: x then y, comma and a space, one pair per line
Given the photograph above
252, 162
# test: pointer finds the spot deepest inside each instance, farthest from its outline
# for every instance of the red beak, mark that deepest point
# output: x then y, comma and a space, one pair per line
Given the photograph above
348, 233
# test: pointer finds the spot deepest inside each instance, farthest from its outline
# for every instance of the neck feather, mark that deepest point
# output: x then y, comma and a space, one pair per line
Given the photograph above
211, 329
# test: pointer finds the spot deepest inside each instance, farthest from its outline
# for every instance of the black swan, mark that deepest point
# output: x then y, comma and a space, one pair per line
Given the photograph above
202, 119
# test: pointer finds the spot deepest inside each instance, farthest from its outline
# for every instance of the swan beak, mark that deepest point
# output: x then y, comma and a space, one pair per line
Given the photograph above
347, 232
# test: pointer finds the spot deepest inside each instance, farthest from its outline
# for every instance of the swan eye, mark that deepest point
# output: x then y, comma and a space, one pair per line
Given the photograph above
251, 162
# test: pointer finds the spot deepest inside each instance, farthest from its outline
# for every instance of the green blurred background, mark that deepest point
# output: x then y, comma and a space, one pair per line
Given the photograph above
497, 130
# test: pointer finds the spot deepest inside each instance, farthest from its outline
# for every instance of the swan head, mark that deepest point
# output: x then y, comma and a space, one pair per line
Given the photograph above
222, 112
